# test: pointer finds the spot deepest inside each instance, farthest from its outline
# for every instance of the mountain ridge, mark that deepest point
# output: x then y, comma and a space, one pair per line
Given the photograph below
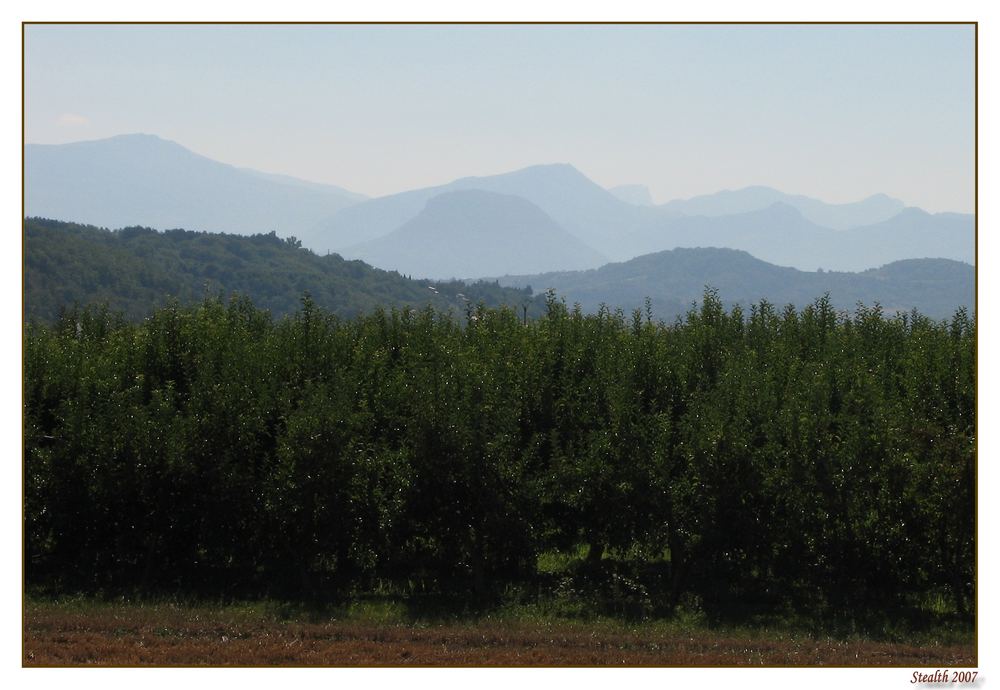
672, 279
137, 269
485, 233
871, 209
579, 205
780, 234
143, 179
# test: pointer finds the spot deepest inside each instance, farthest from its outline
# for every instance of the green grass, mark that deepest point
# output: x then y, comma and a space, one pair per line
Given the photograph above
566, 610
568, 592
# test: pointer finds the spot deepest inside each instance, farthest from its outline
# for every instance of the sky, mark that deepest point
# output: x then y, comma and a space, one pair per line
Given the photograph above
835, 112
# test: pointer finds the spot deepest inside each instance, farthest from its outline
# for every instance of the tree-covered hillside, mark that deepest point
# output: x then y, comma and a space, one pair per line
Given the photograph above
672, 280
135, 270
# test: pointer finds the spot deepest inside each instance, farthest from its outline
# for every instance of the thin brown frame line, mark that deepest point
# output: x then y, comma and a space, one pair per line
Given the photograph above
513, 22
24, 297
974, 24
975, 316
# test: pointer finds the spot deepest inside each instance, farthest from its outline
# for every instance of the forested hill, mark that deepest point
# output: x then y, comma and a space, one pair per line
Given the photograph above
673, 279
135, 270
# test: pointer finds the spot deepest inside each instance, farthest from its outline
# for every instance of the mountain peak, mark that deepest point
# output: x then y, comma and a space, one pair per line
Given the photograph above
754, 189
475, 232
123, 146
566, 168
560, 172
873, 209
138, 136
144, 179
478, 200
781, 209
133, 138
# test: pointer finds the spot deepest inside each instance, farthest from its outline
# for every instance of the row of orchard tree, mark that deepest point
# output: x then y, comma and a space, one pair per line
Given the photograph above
810, 454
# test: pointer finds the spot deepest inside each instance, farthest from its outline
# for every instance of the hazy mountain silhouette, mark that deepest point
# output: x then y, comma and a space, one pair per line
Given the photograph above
778, 234
779, 228
144, 180
140, 179
781, 234
637, 194
913, 233
583, 208
471, 233
873, 209
674, 279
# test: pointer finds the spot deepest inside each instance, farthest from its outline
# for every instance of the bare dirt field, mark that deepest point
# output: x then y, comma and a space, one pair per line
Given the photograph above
132, 635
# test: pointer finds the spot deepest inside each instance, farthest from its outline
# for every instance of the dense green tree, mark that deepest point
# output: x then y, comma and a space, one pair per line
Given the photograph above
791, 457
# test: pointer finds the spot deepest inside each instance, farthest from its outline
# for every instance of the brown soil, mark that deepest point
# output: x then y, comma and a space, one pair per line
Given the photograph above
171, 636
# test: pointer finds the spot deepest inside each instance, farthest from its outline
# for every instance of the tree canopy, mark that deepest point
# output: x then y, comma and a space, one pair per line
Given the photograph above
795, 457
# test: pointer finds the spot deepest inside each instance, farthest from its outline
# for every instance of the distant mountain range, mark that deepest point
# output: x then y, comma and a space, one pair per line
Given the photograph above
539, 219
486, 233
587, 211
781, 234
874, 209
139, 179
779, 228
674, 279
137, 269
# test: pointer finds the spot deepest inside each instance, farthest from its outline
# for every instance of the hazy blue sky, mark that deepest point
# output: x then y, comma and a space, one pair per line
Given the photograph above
836, 112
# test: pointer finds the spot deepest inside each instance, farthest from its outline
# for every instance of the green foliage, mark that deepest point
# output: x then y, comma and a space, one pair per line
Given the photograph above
673, 278
133, 269
781, 458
